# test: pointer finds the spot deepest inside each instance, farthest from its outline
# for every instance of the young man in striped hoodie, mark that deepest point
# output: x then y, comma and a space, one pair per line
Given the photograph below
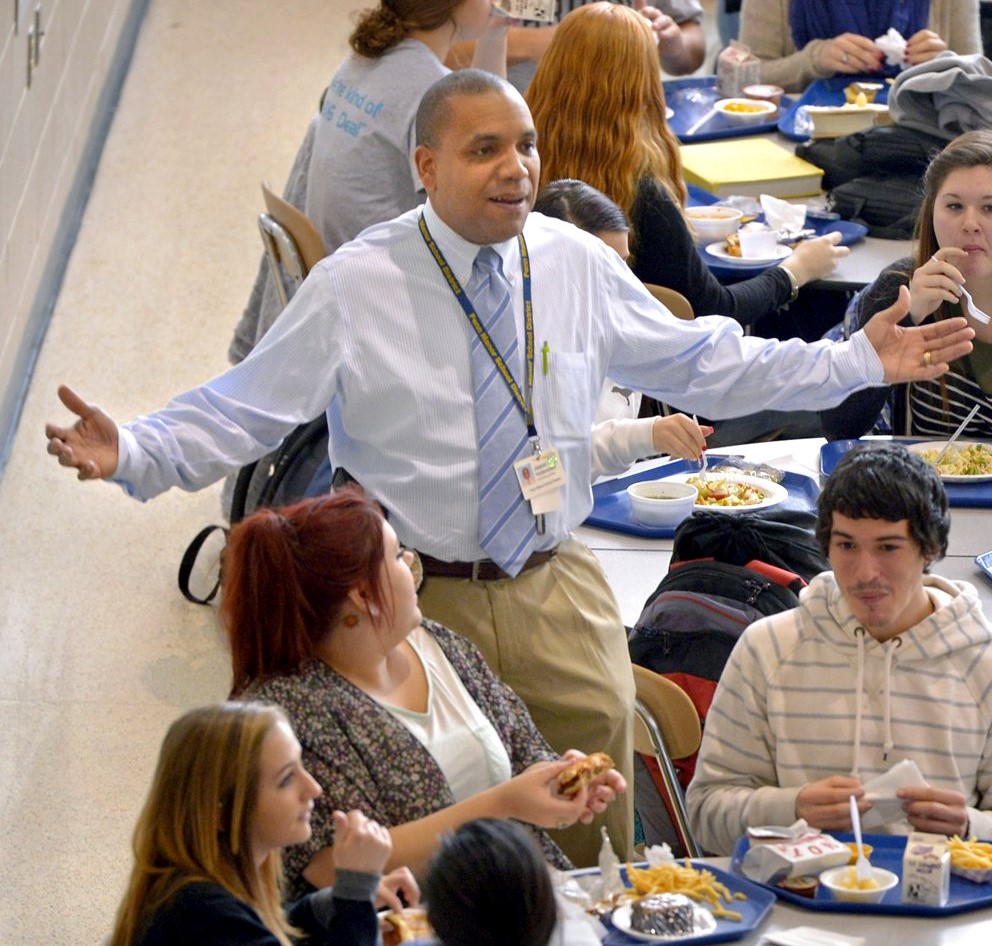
880, 662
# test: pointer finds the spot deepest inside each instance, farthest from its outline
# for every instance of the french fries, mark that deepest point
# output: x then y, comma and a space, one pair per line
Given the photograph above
972, 854
699, 885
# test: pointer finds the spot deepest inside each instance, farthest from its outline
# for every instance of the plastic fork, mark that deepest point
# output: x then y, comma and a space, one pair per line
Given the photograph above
862, 869
702, 457
954, 437
977, 314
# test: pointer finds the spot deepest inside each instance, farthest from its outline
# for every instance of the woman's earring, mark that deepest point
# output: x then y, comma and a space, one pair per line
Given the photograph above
350, 620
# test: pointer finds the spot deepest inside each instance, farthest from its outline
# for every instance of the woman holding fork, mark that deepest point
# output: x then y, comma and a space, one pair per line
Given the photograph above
950, 274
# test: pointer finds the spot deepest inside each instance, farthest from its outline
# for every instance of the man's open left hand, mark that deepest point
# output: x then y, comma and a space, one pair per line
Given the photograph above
920, 353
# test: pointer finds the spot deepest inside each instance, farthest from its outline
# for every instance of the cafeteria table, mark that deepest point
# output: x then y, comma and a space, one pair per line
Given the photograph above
960, 929
634, 565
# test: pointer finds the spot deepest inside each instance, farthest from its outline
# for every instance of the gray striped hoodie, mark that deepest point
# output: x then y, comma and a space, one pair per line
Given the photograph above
787, 710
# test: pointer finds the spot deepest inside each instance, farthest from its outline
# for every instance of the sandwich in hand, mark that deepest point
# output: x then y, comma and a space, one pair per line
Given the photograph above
583, 771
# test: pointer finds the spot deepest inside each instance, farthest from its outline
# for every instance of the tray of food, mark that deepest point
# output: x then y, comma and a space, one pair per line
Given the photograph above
612, 505
694, 116
724, 259
865, 95
887, 856
966, 472
678, 901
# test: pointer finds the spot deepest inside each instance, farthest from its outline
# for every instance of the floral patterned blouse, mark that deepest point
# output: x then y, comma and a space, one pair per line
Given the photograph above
364, 758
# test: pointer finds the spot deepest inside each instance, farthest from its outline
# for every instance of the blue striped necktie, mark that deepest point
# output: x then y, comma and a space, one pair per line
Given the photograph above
507, 531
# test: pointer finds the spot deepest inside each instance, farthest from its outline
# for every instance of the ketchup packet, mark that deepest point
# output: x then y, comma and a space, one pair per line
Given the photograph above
771, 862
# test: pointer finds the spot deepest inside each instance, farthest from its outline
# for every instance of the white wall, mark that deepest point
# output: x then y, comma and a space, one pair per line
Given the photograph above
49, 139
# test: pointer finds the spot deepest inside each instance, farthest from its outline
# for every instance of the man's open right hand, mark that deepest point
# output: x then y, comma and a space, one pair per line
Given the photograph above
90, 444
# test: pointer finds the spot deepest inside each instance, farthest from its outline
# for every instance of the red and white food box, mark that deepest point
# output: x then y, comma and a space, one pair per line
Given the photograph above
926, 870
809, 854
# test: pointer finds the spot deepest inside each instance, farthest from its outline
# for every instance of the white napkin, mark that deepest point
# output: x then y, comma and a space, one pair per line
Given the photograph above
778, 831
782, 216
658, 854
575, 927
893, 45
881, 792
811, 936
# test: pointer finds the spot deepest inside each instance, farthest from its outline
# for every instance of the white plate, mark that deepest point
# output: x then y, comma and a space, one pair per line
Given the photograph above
704, 923
949, 477
775, 493
719, 250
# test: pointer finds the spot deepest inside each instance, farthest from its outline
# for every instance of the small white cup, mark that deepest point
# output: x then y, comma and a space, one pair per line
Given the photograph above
757, 244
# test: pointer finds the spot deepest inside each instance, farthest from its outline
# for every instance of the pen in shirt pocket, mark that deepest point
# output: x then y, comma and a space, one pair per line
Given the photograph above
545, 352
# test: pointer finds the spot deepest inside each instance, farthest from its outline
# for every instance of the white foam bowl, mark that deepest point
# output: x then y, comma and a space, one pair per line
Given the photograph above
714, 222
661, 502
746, 111
833, 878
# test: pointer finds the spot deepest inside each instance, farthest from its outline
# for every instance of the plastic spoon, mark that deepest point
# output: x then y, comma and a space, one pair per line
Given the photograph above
862, 868
977, 314
696, 125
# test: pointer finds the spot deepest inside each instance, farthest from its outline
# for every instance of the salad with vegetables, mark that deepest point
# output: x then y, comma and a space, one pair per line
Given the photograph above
715, 491
973, 459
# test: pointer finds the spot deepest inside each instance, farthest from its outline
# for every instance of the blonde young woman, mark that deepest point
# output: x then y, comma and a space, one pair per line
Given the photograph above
229, 792
599, 110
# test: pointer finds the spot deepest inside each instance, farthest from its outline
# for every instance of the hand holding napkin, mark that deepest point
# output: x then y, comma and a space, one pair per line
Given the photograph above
881, 792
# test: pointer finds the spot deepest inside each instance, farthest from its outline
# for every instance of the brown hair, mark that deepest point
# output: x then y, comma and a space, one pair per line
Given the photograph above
599, 106
287, 574
381, 28
196, 823
970, 150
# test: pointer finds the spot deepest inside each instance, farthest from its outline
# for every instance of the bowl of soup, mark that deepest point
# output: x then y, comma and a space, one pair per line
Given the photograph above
713, 222
744, 111
661, 502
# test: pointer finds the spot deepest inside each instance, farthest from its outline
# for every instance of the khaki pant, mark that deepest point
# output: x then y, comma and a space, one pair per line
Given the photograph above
554, 634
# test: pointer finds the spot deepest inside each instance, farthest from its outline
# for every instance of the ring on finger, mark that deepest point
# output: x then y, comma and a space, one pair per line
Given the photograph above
844, 58
562, 825
927, 359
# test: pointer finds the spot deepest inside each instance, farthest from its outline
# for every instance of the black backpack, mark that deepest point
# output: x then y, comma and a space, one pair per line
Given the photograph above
727, 572
298, 468
874, 176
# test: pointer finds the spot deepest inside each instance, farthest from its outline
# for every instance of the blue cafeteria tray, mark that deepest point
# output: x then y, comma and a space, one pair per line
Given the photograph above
611, 505
887, 853
690, 99
978, 495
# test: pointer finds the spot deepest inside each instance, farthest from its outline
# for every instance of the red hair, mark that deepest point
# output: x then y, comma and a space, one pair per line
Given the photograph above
287, 573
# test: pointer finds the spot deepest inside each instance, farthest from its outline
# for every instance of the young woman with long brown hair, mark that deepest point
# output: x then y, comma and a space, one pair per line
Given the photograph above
229, 792
953, 251
599, 109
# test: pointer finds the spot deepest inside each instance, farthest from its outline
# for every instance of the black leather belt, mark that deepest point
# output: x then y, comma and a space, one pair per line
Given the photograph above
483, 570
